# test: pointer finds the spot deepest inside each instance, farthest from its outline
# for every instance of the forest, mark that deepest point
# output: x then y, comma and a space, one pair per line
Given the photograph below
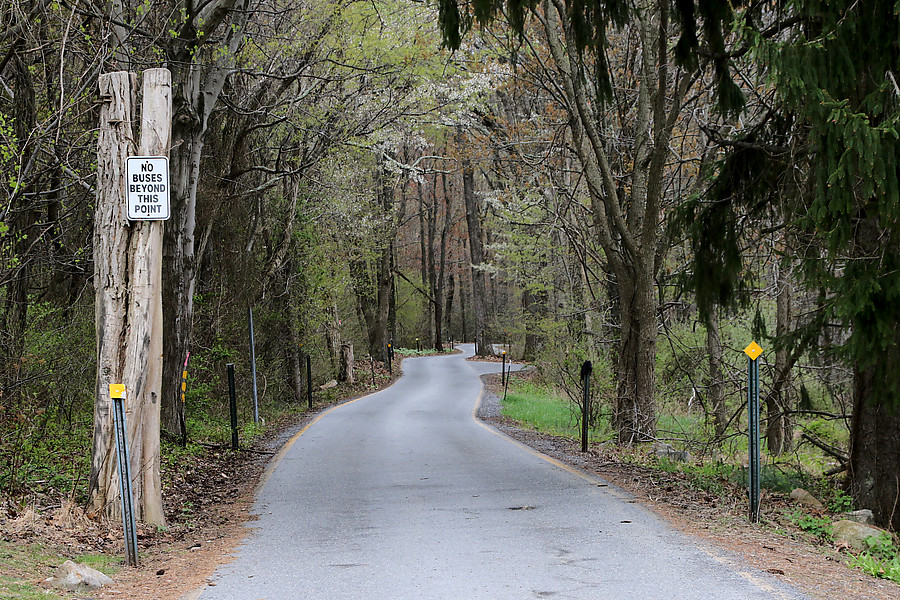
646, 184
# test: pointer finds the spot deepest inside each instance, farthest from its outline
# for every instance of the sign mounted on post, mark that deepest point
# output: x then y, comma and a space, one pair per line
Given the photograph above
147, 188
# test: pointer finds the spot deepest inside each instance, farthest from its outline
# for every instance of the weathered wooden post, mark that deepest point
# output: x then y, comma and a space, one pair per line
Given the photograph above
127, 280
345, 373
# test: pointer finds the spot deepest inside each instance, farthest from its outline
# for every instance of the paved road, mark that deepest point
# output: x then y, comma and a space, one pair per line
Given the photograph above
402, 495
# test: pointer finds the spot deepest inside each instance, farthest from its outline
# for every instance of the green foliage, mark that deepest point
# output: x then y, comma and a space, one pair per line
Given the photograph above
538, 406
819, 527
840, 502
881, 559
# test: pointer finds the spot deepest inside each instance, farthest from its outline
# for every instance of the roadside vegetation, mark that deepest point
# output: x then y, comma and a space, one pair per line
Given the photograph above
534, 402
649, 186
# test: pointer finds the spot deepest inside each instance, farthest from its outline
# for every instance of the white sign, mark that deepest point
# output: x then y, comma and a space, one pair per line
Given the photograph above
147, 188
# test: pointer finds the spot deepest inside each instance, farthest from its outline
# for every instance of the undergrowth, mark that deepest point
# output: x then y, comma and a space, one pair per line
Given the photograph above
882, 559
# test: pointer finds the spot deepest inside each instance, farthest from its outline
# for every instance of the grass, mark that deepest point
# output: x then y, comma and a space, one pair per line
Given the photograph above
21, 566
882, 559
539, 408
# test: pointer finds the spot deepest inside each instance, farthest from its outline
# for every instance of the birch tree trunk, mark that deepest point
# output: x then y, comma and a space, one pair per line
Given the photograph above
199, 72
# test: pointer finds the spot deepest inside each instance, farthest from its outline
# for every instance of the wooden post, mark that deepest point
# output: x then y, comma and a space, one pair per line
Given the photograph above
146, 291
345, 374
128, 284
114, 145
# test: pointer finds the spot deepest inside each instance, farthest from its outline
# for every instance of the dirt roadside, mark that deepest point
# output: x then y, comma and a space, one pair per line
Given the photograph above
221, 485
775, 545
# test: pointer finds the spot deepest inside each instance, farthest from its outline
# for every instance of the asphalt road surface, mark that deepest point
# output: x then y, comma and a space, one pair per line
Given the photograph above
403, 495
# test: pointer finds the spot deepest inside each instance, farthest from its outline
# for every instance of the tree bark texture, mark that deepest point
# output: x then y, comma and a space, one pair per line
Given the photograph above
345, 374
779, 429
873, 476
128, 310
716, 386
626, 218
196, 88
476, 255
14, 312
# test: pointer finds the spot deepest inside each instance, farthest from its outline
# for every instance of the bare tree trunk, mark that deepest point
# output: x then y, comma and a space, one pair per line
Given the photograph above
634, 416
295, 366
14, 312
873, 476
381, 335
476, 253
779, 430
127, 280
333, 337
145, 311
716, 383
195, 92
345, 374
110, 282
428, 325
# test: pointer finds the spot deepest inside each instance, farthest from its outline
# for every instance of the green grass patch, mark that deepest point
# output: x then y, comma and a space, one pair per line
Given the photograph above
23, 564
538, 407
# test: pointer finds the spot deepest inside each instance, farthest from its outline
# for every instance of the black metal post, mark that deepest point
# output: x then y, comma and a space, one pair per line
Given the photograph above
753, 407
309, 381
586, 369
503, 369
232, 399
390, 355
372, 363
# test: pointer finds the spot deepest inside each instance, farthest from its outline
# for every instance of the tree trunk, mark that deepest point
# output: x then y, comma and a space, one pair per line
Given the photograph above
873, 477
345, 374
428, 324
333, 337
779, 430
634, 415
127, 279
716, 385
380, 335
195, 91
14, 312
476, 254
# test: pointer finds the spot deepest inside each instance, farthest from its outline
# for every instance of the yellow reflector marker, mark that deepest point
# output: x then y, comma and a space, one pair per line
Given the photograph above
753, 350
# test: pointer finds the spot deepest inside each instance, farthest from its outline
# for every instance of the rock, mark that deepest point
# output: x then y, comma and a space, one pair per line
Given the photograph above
804, 497
329, 385
863, 516
75, 577
664, 450
854, 534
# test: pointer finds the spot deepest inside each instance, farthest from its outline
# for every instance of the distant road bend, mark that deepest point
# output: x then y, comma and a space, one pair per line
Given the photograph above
403, 495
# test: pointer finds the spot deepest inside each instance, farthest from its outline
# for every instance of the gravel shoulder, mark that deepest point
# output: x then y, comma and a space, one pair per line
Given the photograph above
818, 570
222, 487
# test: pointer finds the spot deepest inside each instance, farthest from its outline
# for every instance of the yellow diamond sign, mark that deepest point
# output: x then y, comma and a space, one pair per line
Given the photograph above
753, 350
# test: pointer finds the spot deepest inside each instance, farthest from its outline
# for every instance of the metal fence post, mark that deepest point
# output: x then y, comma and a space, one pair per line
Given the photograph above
117, 395
753, 352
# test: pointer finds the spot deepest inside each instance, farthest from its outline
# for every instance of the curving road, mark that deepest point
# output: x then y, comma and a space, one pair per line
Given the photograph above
403, 495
